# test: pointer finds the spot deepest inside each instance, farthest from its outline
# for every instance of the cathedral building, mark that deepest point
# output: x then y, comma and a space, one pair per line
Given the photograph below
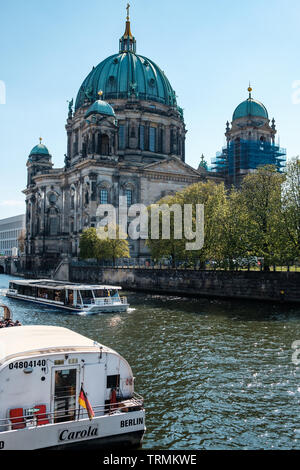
250, 143
125, 137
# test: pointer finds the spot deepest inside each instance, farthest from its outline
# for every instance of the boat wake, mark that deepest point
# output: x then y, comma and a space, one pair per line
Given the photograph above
3, 291
131, 309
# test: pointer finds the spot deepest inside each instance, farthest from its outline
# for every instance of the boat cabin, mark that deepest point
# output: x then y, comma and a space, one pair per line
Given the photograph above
71, 296
44, 370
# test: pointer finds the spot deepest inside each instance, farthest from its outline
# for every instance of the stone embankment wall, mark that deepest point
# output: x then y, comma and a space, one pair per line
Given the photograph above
269, 286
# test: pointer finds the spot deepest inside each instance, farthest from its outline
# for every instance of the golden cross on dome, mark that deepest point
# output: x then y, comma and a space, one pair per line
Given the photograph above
128, 8
41, 140
100, 93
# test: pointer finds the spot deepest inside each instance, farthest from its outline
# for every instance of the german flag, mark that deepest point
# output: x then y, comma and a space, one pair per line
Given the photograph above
84, 402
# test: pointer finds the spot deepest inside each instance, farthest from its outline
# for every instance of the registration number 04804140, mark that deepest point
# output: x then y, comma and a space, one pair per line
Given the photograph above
26, 364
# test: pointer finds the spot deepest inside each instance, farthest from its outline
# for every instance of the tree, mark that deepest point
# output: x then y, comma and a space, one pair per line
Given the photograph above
114, 248
261, 201
291, 208
213, 197
93, 246
89, 244
21, 241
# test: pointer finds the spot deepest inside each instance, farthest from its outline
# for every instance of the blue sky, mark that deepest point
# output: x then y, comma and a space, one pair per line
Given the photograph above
208, 50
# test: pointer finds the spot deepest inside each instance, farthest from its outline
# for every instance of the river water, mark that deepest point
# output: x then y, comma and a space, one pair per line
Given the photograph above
214, 374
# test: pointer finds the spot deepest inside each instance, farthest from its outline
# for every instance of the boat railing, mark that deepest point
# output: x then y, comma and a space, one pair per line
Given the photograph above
109, 301
35, 418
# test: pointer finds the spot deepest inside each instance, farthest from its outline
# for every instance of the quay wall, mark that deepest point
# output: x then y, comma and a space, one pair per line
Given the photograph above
250, 285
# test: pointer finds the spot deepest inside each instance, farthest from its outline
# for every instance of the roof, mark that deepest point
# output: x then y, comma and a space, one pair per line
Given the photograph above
250, 107
100, 107
58, 285
23, 341
126, 75
39, 149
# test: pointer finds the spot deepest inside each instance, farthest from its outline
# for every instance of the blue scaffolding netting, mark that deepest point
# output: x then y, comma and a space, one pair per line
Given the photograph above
244, 155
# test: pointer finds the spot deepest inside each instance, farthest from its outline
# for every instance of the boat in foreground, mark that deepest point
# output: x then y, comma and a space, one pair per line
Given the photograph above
69, 296
61, 390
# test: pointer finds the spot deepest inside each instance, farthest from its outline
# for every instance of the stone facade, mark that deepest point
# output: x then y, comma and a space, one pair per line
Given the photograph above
120, 142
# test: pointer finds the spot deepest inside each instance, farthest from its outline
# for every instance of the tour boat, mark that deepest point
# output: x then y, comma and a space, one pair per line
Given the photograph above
69, 296
61, 390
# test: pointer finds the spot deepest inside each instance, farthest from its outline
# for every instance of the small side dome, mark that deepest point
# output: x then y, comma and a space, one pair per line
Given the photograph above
100, 107
250, 107
39, 149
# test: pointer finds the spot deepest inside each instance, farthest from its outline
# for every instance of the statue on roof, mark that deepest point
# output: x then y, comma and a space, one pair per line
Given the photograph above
203, 163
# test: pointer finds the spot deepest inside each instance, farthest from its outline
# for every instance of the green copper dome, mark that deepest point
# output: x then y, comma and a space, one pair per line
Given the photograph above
126, 75
250, 107
39, 149
100, 107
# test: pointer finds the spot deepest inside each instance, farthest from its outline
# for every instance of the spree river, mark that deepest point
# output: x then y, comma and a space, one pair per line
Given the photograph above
214, 374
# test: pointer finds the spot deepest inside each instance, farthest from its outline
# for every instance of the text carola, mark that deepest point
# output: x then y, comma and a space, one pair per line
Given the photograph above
75, 434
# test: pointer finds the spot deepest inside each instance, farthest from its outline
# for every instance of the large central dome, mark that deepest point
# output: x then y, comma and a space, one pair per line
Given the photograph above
127, 75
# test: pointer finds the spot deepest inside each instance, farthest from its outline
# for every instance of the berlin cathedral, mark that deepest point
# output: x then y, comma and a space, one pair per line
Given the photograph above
126, 137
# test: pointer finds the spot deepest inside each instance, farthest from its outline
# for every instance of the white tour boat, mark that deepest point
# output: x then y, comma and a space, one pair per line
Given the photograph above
61, 390
69, 296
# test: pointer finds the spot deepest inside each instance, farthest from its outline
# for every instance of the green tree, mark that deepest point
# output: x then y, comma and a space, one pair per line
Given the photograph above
261, 201
93, 246
112, 249
291, 208
89, 244
213, 197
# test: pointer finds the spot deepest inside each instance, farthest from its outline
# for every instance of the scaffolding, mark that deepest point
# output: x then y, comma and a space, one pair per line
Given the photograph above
243, 156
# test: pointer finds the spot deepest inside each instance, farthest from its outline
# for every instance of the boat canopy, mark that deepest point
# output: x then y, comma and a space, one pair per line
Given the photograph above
33, 340
57, 285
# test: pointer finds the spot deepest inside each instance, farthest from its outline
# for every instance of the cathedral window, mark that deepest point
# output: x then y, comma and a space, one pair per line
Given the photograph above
142, 137
103, 196
121, 137
53, 225
129, 197
104, 145
152, 139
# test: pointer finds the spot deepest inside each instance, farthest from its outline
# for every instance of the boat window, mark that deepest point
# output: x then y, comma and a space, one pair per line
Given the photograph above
87, 296
65, 395
99, 293
114, 293
113, 381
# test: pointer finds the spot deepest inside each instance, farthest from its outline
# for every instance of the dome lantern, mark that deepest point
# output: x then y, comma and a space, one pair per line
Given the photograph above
127, 41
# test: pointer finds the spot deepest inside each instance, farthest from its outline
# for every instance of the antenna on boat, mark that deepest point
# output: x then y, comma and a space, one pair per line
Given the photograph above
7, 313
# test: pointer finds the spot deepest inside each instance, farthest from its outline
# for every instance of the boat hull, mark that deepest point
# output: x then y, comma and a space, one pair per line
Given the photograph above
120, 307
119, 430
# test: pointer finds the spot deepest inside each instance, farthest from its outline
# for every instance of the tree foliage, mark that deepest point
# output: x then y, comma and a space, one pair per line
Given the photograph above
260, 219
105, 248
